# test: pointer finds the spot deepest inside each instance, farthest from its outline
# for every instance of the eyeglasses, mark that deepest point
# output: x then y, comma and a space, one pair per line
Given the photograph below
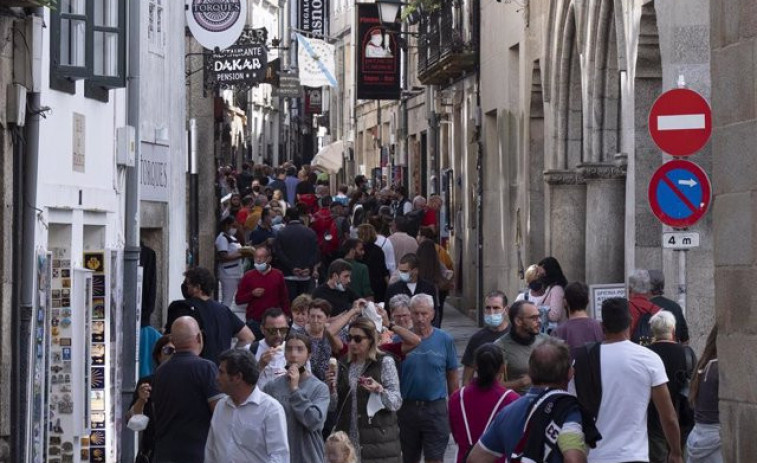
168, 350
356, 338
275, 331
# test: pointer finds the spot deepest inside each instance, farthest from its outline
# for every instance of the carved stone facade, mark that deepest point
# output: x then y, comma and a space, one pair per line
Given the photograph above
566, 87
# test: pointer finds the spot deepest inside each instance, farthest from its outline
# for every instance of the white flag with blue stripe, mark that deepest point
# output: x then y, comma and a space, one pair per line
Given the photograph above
316, 62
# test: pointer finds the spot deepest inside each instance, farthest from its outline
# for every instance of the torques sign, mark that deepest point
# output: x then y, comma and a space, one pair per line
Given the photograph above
216, 24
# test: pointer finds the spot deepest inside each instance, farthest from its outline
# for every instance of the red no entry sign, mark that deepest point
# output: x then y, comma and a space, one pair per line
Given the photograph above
679, 193
680, 122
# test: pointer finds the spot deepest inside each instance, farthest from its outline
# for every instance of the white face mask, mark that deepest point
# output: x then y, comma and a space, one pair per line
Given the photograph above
261, 267
339, 286
232, 231
138, 422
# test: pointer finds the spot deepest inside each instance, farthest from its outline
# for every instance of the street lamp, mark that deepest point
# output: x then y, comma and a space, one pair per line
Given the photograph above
388, 10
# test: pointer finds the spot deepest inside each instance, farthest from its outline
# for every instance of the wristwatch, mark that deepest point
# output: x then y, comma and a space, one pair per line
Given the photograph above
390, 326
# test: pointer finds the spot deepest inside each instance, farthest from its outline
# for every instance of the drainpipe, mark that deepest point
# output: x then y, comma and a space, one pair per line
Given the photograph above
26, 166
131, 233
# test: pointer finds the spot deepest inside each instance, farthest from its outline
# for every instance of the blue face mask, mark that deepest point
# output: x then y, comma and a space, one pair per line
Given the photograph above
493, 320
261, 267
405, 276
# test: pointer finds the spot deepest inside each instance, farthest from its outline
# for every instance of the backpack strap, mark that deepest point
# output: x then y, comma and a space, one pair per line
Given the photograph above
491, 416
465, 416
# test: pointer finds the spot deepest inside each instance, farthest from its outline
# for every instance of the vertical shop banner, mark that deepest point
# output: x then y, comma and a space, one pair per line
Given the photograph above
378, 56
313, 17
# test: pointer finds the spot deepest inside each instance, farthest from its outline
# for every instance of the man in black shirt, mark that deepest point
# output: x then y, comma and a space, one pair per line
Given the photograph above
409, 283
184, 394
217, 322
657, 279
336, 288
496, 324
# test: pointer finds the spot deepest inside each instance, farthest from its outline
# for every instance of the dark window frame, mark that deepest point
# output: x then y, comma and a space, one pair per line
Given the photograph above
64, 77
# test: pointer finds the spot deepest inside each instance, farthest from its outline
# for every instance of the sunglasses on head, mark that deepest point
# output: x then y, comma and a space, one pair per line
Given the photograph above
168, 350
357, 338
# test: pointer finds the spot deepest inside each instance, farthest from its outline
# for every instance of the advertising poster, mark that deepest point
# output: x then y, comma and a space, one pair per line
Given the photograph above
378, 56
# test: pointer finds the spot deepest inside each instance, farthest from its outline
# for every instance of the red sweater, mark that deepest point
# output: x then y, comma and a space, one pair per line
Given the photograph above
275, 294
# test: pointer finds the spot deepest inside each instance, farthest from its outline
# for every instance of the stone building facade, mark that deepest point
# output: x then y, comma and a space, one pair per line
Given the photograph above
733, 42
566, 88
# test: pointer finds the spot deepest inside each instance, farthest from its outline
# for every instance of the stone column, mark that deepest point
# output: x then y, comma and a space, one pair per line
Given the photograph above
605, 219
566, 240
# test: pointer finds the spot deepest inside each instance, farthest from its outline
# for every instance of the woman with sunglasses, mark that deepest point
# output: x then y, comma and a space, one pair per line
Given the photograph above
139, 416
367, 396
305, 400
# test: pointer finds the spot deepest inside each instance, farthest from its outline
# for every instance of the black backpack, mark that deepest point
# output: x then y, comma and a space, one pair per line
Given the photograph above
588, 381
642, 334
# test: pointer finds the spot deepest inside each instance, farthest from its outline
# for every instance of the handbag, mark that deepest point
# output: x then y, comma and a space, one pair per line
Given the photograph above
488, 422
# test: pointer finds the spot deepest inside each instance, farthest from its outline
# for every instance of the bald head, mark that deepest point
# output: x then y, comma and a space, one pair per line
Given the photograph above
549, 364
185, 335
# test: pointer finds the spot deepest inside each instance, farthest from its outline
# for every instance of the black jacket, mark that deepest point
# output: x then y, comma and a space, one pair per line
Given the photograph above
296, 247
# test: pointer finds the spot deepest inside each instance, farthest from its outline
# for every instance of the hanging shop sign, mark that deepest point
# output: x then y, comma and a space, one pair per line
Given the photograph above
242, 65
313, 100
216, 24
313, 16
378, 56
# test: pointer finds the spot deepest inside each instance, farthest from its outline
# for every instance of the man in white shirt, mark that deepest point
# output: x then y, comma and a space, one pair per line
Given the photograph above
269, 352
630, 375
248, 425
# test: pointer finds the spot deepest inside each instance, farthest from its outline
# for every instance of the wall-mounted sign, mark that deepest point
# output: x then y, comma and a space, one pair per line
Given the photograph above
378, 56
216, 23
289, 87
313, 15
313, 100
154, 172
242, 65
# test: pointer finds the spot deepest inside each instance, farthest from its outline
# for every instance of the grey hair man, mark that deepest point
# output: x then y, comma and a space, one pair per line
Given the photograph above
657, 291
641, 308
429, 376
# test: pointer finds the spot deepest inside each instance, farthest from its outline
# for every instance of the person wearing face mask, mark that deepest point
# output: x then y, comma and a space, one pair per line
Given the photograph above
535, 292
409, 283
496, 325
336, 288
228, 249
260, 288
517, 344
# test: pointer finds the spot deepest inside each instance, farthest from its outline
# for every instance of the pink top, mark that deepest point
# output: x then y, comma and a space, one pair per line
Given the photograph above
479, 404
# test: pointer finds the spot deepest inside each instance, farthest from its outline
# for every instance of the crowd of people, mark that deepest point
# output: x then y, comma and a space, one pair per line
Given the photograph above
333, 303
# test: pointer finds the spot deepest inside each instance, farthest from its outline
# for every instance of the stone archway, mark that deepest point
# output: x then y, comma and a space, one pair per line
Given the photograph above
566, 214
604, 168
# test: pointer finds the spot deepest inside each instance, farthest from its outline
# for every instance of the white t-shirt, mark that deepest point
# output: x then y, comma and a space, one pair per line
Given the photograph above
229, 244
629, 372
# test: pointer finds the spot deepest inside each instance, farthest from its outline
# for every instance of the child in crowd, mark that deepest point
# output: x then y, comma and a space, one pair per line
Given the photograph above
339, 449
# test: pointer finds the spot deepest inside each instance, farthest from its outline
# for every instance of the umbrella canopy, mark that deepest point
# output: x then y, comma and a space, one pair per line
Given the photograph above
330, 157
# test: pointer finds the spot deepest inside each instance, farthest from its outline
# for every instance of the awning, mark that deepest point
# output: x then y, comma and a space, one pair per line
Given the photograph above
330, 157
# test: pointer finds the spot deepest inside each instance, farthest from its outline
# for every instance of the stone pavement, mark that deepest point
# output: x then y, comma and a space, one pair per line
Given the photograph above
460, 327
